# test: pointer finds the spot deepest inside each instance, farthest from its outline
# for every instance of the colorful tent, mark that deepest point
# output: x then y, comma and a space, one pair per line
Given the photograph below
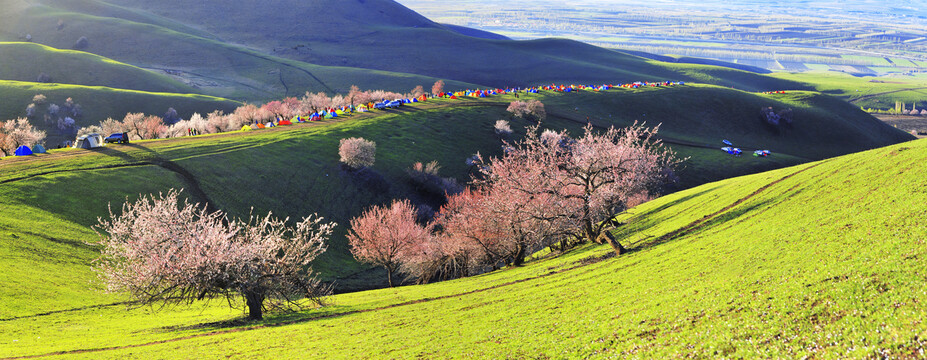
23, 151
285, 122
259, 126
246, 128
38, 149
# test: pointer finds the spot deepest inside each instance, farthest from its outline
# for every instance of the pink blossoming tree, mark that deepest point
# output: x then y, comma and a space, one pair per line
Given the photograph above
164, 250
386, 236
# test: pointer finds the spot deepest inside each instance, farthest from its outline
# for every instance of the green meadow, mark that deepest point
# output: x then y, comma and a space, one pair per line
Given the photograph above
818, 260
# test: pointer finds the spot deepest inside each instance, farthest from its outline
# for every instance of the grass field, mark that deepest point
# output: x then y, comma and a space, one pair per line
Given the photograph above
867, 92
820, 260
25, 61
294, 171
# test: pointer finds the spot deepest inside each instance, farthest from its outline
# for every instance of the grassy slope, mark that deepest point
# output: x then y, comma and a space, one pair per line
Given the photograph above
215, 67
25, 61
99, 102
821, 260
866, 92
372, 34
294, 172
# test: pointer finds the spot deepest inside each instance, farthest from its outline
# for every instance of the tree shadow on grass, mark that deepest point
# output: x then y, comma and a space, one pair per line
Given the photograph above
704, 224
624, 231
271, 319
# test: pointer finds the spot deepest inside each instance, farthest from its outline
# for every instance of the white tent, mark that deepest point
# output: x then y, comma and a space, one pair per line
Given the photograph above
89, 141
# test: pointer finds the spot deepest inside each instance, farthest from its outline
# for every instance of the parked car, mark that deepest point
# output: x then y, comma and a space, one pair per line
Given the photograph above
119, 138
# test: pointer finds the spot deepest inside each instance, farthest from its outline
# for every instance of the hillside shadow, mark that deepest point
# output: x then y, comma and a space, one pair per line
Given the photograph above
151, 157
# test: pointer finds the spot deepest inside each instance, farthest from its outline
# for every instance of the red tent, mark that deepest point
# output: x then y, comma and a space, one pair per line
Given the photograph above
285, 122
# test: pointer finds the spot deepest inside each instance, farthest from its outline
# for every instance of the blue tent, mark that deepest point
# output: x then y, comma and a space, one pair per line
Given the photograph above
38, 149
23, 151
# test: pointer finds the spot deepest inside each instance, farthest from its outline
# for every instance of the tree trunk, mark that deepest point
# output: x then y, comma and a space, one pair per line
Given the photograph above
619, 250
255, 303
389, 275
589, 232
519, 256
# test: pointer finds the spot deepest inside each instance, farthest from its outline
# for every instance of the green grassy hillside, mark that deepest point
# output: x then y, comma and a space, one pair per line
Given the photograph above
382, 34
25, 61
211, 66
268, 50
866, 92
821, 260
99, 102
294, 171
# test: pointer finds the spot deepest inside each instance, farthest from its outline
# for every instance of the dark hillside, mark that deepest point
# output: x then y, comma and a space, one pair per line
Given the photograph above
192, 56
477, 33
369, 34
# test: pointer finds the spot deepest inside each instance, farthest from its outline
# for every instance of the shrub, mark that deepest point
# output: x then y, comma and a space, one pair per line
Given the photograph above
81, 43
426, 179
503, 128
357, 152
171, 117
532, 110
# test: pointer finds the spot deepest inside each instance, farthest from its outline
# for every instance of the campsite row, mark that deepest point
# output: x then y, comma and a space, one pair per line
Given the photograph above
92, 141
389, 104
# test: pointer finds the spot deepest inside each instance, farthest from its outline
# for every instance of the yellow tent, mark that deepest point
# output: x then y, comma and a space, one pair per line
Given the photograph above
246, 128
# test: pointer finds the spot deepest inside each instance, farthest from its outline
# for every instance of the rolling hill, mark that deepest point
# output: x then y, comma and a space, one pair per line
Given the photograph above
253, 50
200, 60
26, 61
819, 260
294, 171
